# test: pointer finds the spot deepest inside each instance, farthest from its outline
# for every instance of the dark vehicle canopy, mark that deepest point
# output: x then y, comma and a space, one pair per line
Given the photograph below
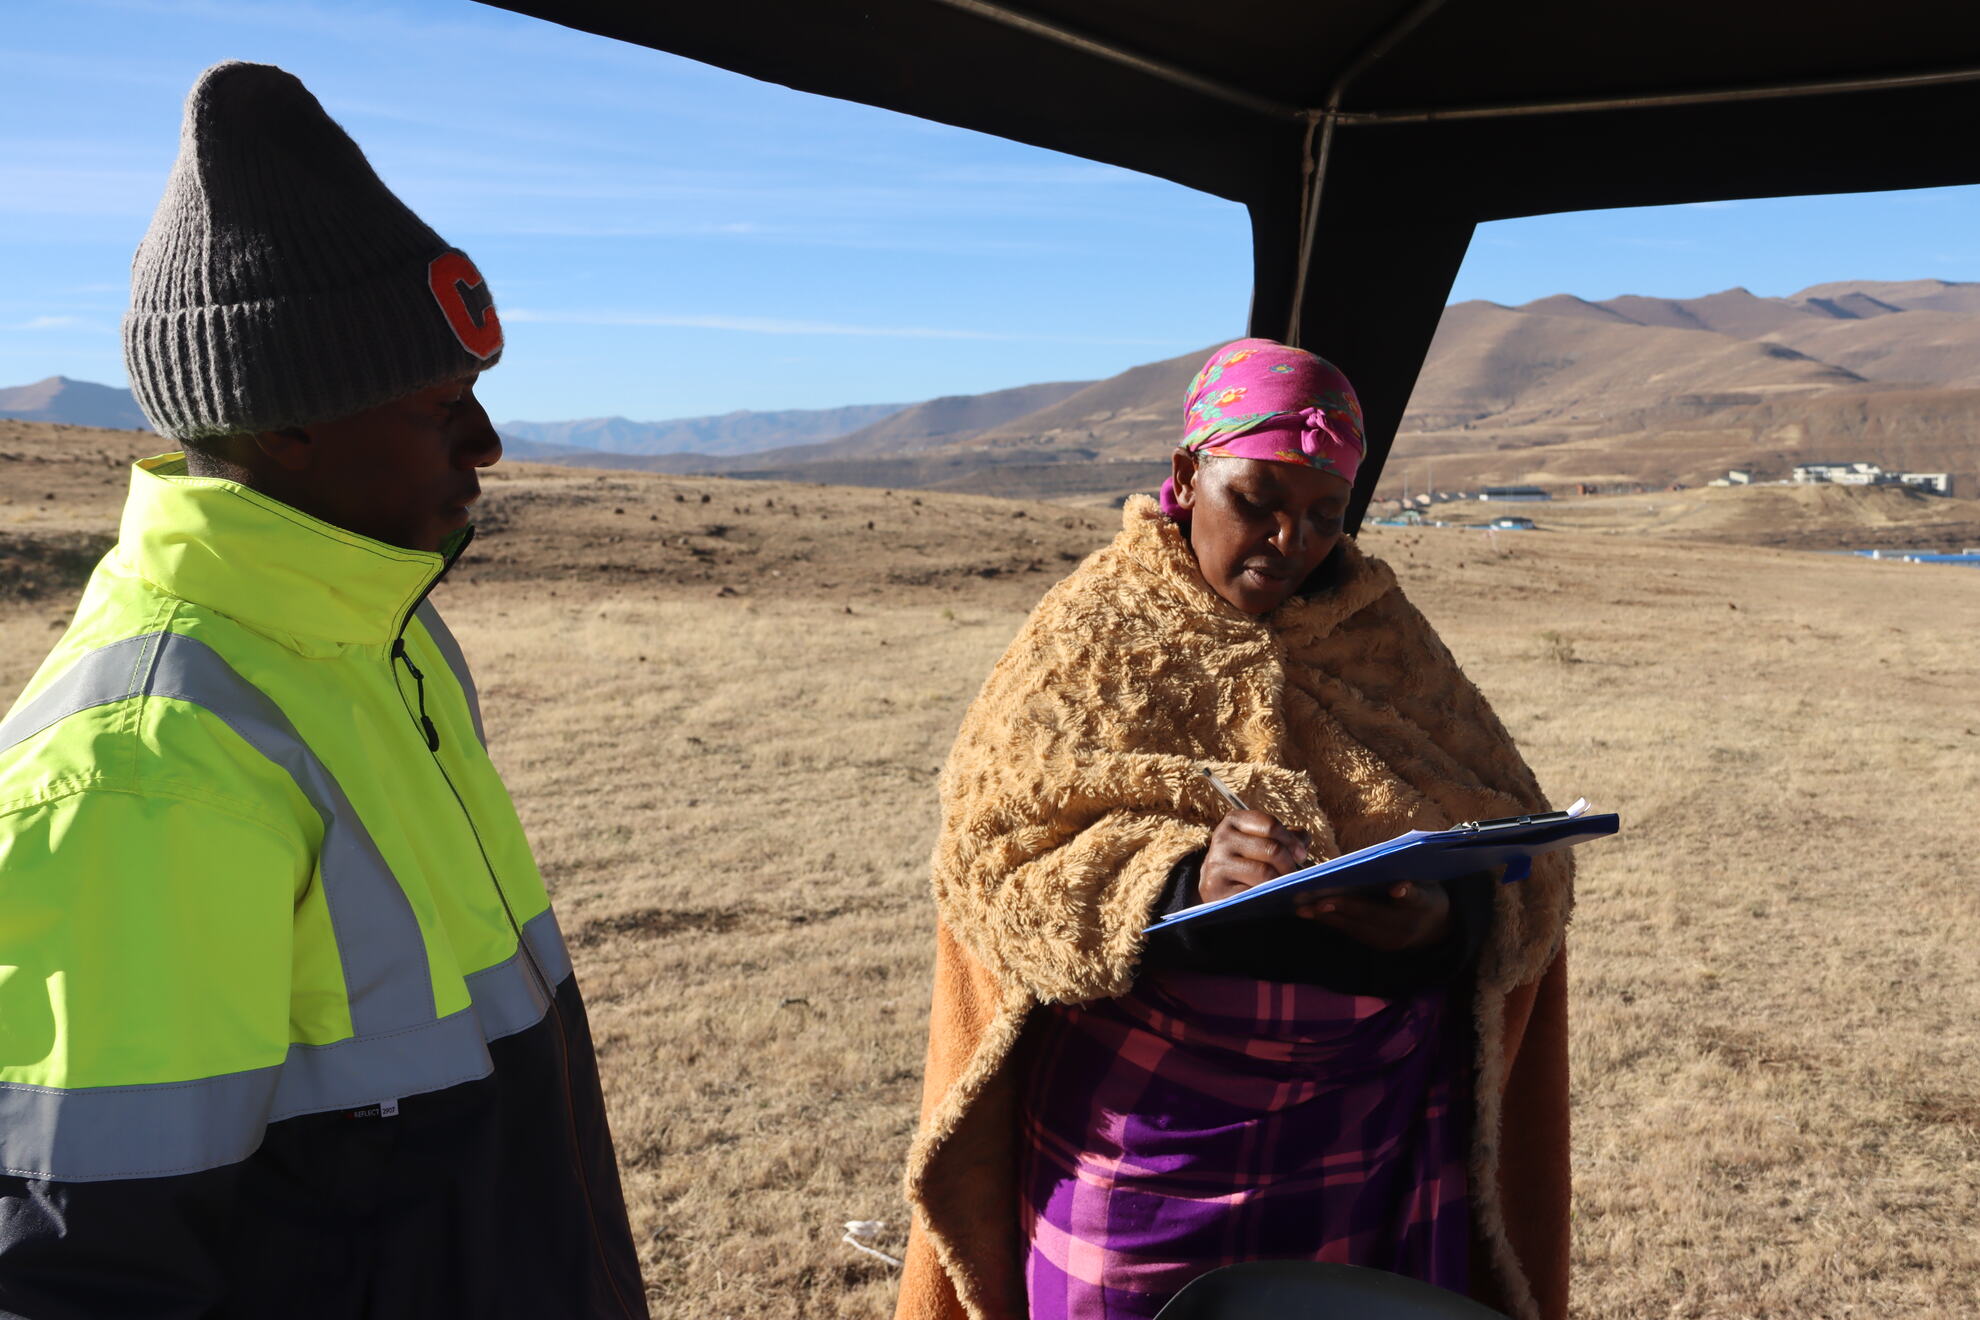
1369, 137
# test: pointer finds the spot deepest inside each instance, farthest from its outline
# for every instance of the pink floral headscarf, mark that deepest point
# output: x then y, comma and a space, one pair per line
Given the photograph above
1259, 399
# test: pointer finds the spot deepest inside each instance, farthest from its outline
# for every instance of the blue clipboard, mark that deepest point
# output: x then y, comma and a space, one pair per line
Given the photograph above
1423, 855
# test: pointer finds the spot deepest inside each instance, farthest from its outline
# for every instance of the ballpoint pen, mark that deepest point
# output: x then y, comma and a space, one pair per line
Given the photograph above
1237, 803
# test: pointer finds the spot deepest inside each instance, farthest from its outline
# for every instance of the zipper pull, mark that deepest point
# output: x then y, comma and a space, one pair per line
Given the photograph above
419, 687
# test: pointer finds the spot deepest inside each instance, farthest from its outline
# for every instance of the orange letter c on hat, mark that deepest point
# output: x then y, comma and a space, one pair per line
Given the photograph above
451, 277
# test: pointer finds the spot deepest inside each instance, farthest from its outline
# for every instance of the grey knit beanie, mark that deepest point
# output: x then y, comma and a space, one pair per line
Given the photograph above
281, 283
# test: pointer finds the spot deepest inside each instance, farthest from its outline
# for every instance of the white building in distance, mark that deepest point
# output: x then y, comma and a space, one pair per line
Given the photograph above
1865, 474
1841, 474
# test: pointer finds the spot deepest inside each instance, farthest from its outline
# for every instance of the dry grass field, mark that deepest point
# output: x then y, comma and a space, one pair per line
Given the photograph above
721, 707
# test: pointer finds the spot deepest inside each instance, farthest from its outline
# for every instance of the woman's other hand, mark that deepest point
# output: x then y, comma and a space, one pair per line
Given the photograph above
1248, 848
1404, 916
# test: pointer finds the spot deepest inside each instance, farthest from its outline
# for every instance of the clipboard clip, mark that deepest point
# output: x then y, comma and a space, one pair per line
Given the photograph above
1579, 807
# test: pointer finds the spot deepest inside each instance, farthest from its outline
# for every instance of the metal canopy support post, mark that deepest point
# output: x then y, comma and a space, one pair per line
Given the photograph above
1324, 120
1314, 166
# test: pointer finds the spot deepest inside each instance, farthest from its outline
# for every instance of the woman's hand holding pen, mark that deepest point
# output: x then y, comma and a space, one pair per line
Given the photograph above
1250, 847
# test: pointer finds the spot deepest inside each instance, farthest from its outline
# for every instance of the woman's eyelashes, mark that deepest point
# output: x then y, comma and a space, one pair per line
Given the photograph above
1323, 519
1257, 506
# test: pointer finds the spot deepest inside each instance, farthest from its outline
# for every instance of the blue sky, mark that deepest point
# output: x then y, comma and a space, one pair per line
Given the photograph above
666, 239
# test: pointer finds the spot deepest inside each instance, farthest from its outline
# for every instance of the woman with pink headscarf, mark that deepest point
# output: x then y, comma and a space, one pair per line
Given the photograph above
1380, 1080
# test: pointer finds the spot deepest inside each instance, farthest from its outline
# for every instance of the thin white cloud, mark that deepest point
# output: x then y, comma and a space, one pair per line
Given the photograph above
1051, 174
370, 26
747, 231
1659, 244
95, 66
770, 325
52, 323
759, 325
80, 192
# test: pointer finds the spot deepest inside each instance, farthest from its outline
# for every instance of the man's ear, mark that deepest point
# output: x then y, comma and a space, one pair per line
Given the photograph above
1183, 471
292, 449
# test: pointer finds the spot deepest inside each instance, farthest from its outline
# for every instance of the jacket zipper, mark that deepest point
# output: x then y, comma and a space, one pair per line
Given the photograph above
431, 735
426, 726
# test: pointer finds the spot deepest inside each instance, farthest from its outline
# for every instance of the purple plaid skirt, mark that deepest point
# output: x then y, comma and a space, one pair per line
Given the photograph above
1203, 1120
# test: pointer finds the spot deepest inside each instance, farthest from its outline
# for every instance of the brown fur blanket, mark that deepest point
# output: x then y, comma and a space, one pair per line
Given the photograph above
1071, 792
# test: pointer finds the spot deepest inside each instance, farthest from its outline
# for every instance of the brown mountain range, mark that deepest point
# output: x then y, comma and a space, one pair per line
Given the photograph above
1560, 391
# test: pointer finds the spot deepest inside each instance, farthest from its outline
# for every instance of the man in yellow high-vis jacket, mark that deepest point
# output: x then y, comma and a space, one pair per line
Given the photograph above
286, 1024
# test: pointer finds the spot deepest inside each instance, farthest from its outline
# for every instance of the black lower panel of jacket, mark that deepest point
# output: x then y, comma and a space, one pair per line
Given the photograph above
496, 1199
1289, 948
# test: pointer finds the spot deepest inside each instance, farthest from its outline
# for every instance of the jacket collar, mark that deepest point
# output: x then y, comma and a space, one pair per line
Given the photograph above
1156, 543
232, 549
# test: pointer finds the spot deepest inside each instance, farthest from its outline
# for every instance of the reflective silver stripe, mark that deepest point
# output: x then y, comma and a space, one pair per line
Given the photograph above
399, 1048
507, 997
546, 941
105, 1132
96, 1134
103, 676
502, 991
450, 651
378, 941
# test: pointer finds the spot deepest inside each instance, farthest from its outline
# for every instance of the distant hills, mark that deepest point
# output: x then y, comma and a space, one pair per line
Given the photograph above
1560, 391
1650, 390
76, 402
921, 427
741, 432
620, 442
